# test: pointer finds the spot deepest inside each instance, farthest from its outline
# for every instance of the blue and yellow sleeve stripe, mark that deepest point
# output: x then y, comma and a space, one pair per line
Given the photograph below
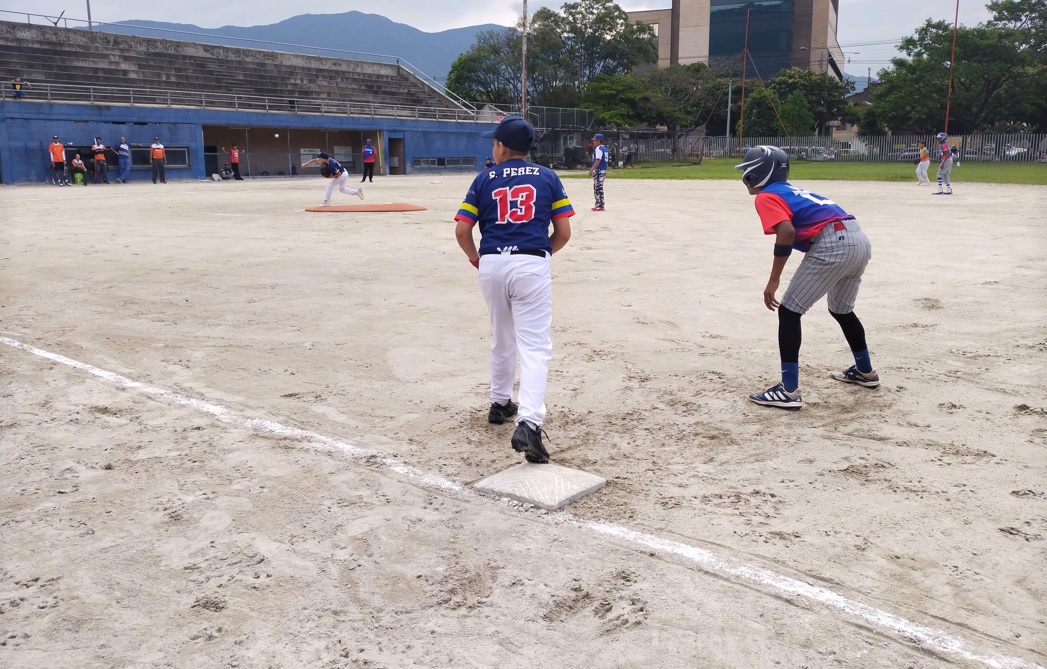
467, 212
562, 208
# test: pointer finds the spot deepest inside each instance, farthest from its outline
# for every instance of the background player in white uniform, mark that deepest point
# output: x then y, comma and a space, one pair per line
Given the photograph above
945, 169
333, 170
514, 202
598, 170
837, 252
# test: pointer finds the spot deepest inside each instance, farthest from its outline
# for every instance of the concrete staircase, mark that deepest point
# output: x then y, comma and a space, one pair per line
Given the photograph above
61, 56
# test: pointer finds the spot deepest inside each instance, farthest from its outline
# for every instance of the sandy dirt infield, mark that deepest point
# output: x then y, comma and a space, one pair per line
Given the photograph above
141, 531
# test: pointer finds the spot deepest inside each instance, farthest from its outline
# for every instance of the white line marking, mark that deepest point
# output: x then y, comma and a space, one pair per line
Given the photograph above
905, 631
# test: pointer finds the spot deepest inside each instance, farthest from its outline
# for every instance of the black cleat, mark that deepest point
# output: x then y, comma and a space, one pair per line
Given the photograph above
501, 412
528, 440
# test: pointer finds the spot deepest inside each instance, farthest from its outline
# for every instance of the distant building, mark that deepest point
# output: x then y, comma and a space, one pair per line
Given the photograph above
782, 34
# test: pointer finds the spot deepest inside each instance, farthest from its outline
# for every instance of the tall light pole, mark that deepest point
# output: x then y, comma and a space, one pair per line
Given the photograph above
952, 63
523, 87
730, 85
89, 15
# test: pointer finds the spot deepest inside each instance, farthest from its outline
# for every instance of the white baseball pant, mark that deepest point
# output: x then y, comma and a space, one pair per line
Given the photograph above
518, 290
340, 182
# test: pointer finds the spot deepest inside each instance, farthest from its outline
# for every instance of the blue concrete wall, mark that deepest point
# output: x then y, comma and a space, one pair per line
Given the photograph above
26, 129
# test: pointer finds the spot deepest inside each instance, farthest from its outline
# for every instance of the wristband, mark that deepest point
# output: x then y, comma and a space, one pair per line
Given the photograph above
782, 250
475, 263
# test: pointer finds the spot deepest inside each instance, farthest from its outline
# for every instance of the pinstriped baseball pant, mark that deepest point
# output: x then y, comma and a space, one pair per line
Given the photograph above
833, 266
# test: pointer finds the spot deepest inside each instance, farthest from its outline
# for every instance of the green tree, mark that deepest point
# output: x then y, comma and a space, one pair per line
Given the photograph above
796, 116
994, 79
760, 119
485, 73
599, 39
565, 52
689, 93
619, 102
826, 96
1026, 21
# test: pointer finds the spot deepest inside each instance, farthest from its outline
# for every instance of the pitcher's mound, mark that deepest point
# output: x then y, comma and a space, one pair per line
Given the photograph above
365, 207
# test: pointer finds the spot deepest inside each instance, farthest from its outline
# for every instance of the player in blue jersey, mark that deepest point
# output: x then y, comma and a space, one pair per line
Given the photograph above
514, 202
598, 170
836, 254
333, 170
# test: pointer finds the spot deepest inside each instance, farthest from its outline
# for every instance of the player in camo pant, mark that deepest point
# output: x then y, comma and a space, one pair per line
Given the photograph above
836, 254
598, 171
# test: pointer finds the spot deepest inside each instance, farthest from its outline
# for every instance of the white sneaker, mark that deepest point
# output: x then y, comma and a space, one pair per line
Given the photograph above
326, 203
360, 193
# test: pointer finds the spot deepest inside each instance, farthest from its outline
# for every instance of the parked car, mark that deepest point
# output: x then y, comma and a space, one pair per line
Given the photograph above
1015, 153
909, 155
820, 153
846, 154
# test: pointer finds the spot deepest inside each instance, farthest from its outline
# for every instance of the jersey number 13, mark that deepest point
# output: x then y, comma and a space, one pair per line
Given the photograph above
515, 204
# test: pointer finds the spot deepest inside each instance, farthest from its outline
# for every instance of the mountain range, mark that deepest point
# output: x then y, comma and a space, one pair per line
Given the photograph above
431, 53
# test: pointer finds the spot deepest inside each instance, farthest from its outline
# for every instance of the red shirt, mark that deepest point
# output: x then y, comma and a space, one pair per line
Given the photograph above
234, 155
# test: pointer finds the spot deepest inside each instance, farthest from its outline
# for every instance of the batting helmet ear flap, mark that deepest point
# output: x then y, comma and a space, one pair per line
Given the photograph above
764, 165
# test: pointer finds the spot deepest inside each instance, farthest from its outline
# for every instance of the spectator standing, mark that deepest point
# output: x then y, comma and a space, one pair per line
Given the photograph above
123, 157
234, 161
79, 170
923, 165
100, 166
598, 170
57, 153
628, 154
369, 155
158, 156
18, 86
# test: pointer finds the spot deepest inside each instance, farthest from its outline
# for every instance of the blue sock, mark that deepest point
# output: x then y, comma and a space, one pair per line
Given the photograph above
862, 361
791, 376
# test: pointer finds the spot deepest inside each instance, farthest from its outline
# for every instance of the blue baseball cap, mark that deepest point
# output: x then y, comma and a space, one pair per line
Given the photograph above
514, 132
598, 136
322, 154
368, 141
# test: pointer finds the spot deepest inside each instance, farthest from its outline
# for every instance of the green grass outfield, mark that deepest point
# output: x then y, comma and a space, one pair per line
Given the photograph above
801, 170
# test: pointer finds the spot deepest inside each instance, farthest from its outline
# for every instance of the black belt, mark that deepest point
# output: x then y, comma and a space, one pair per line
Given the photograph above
519, 252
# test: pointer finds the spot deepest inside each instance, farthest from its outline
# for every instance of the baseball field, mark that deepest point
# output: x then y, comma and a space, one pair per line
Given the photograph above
238, 434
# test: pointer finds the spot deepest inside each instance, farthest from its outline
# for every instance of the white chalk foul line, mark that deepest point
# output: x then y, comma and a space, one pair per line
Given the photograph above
906, 631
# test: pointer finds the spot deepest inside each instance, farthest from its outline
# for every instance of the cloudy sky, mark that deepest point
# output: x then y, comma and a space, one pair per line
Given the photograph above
861, 21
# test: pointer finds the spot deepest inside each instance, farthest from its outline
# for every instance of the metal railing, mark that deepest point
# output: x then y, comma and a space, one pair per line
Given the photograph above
238, 42
1018, 147
108, 95
652, 145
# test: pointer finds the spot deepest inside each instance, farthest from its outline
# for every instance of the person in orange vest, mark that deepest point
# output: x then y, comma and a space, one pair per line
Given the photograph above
234, 160
159, 159
57, 151
101, 167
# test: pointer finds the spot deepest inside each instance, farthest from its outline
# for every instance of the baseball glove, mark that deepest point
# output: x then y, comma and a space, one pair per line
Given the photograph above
326, 173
